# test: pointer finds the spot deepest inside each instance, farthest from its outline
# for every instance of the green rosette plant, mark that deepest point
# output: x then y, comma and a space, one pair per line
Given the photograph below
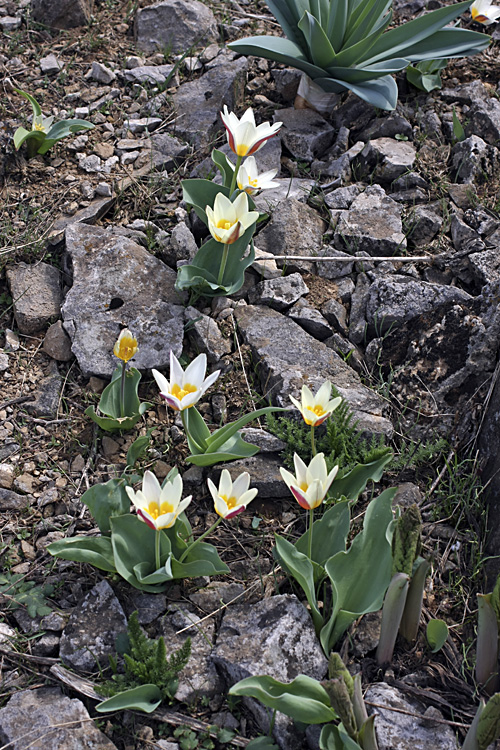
44, 132
346, 45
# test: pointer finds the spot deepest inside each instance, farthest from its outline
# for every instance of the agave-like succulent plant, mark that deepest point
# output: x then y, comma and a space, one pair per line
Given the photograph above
344, 44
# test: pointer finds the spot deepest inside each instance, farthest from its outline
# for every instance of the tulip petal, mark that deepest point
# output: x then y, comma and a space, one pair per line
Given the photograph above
176, 371
195, 371
151, 487
161, 381
241, 485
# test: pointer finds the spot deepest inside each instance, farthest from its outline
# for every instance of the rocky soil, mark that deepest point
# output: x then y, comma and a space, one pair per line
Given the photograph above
378, 269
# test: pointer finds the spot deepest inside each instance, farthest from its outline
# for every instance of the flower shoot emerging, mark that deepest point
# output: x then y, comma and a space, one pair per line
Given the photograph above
185, 388
126, 346
158, 507
315, 409
244, 137
231, 497
310, 483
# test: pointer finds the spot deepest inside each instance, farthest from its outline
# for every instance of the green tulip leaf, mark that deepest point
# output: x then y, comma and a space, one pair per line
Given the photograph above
351, 485
134, 545
329, 534
221, 160
301, 569
105, 500
202, 560
304, 699
262, 743
436, 634
138, 447
96, 551
143, 698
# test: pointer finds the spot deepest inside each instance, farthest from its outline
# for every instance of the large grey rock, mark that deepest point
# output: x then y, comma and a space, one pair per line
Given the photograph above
129, 288
294, 188
199, 677
45, 719
310, 319
295, 229
279, 293
90, 634
397, 299
474, 159
198, 103
465, 93
265, 474
153, 74
484, 118
288, 358
372, 225
47, 394
178, 24
167, 152
385, 159
61, 14
274, 637
425, 222
402, 730
387, 127
36, 293
206, 336
305, 133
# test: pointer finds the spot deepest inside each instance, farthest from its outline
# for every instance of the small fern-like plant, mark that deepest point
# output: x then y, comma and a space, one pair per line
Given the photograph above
17, 592
146, 662
339, 439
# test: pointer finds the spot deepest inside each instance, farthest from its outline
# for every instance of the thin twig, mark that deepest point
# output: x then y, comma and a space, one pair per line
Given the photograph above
243, 367
353, 258
18, 400
422, 717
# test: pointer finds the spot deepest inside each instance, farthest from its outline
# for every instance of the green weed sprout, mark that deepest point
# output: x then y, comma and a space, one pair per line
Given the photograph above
44, 132
426, 75
345, 45
149, 677
487, 649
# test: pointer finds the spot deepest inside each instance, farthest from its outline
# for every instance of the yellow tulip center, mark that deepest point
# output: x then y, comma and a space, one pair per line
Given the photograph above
231, 502
179, 392
38, 126
253, 183
318, 410
224, 224
126, 349
156, 510
304, 486
241, 149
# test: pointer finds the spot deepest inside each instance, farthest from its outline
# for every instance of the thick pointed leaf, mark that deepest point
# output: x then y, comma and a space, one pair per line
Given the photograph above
109, 403
375, 14
234, 449
329, 534
202, 560
381, 93
143, 698
321, 51
487, 639
202, 274
64, 128
96, 551
224, 166
336, 24
353, 55
368, 73
304, 699
220, 436
138, 447
351, 485
413, 607
360, 576
37, 110
134, 543
447, 43
109, 423
202, 193
287, 13
276, 48
162, 575
21, 135
105, 500
392, 612
396, 41
300, 568
196, 429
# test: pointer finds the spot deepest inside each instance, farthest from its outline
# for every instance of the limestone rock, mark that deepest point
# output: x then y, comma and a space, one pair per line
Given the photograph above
47, 394
265, 474
57, 343
198, 103
310, 319
473, 159
372, 225
45, 719
176, 23
279, 293
130, 288
305, 133
484, 118
36, 294
402, 730
386, 159
92, 628
206, 336
61, 14
289, 357
295, 229
274, 637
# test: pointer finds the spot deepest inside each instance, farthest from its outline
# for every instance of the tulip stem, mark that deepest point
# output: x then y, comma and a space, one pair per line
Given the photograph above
223, 264
157, 549
313, 442
310, 545
239, 159
197, 541
122, 389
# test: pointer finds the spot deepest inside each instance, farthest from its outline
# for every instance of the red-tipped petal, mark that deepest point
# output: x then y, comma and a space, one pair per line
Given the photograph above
146, 519
260, 143
230, 139
235, 512
300, 498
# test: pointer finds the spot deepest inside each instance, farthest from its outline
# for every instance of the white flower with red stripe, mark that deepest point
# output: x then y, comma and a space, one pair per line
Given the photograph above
251, 181
484, 12
159, 507
231, 498
315, 409
310, 483
243, 135
185, 387
228, 220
